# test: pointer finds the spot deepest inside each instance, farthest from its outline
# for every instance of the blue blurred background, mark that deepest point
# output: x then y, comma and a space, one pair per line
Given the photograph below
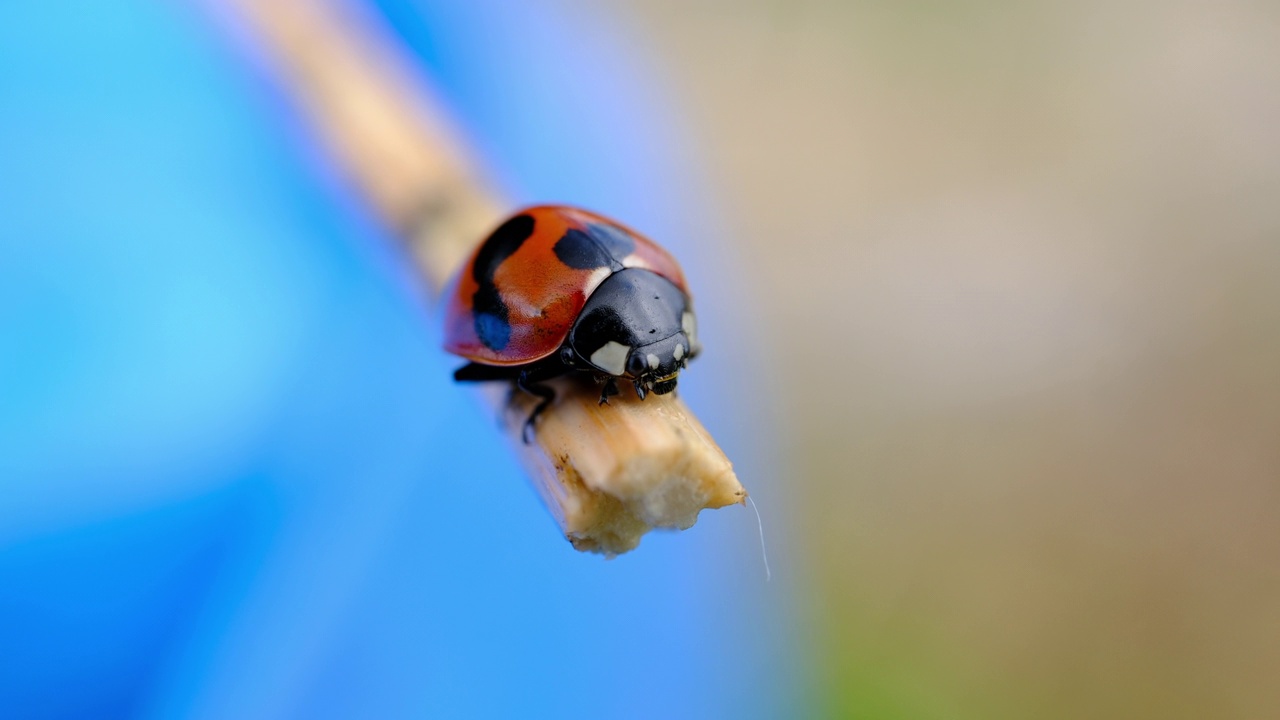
235, 479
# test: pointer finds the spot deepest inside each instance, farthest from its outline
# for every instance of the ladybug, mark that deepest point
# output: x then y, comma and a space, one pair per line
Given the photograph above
557, 290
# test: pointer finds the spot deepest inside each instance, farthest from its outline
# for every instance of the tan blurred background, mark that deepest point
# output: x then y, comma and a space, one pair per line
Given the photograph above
1022, 265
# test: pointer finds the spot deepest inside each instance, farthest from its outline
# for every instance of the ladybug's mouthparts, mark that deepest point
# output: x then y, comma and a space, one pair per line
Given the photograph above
662, 386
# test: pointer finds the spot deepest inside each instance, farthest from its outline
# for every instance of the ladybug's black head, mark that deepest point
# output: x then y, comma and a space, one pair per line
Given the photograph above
636, 325
656, 366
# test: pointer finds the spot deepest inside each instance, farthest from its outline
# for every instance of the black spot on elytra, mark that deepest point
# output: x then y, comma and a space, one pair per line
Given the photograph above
618, 242
600, 246
492, 322
501, 245
577, 250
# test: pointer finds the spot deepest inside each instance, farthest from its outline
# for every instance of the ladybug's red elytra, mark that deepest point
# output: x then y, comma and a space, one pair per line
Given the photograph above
556, 290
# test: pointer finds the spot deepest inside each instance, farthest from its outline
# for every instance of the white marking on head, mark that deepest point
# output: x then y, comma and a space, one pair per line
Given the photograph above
654, 362
679, 351
612, 358
690, 327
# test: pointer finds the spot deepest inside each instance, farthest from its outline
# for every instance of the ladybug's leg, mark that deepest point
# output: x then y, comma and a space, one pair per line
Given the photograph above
530, 380
542, 391
609, 390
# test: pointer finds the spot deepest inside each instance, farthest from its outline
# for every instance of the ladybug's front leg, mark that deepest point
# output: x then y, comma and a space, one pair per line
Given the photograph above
530, 380
609, 390
533, 387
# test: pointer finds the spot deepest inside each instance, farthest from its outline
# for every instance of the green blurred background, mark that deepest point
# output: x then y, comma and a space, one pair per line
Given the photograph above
1017, 268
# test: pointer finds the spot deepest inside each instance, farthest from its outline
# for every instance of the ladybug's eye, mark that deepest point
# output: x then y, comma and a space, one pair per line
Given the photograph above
636, 365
